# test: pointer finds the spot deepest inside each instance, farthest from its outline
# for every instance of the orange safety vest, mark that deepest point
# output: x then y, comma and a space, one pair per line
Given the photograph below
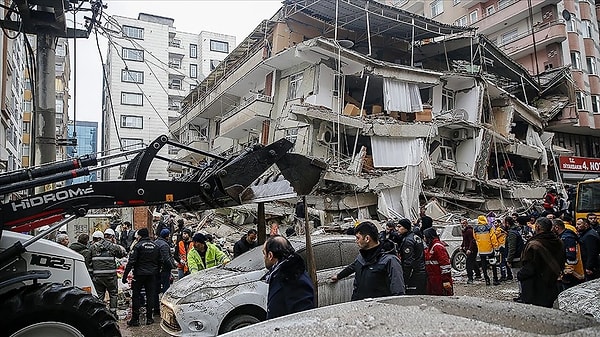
183, 251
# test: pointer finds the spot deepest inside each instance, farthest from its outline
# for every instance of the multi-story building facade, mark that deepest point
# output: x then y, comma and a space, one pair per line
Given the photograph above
150, 68
62, 70
86, 135
545, 37
333, 91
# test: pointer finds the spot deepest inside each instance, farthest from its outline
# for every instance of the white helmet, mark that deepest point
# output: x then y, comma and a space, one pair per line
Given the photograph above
97, 235
109, 231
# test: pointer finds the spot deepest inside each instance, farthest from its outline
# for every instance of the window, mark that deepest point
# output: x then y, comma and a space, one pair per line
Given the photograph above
586, 28
490, 10
132, 76
447, 99
474, 16
59, 105
591, 65
295, 82
175, 63
193, 70
461, 21
504, 3
581, 103
291, 134
133, 54
132, 122
575, 60
27, 106
175, 83
131, 98
133, 32
446, 151
193, 86
219, 46
214, 64
595, 104
572, 24
132, 143
437, 7
193, 51
509, 36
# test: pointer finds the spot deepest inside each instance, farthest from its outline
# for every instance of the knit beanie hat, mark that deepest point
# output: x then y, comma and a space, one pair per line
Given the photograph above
405, 223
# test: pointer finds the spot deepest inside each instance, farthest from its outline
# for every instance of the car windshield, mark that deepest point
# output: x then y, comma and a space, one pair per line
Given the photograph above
249, 261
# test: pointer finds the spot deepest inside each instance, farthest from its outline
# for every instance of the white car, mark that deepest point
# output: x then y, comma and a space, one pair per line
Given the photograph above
451, 235
225, 298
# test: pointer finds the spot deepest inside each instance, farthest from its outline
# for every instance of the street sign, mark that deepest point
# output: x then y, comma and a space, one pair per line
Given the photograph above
579, 164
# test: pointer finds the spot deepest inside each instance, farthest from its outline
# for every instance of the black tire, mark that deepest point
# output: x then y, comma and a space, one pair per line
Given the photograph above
52, 305
459, 261
239, 321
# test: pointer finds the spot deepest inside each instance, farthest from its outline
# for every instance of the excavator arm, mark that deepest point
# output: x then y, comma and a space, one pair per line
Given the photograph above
223, 183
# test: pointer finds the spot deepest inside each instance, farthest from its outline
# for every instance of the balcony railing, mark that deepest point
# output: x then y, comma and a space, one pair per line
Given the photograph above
174, 65
175, 43
249, 101
545, 33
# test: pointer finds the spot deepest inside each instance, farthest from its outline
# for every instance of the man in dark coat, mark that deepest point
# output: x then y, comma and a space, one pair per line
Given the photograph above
543, 260
82, 246
247, 242
411, 251
469, 247
590, 246
145, 262
378, 273
163, 279
290, 288
127, 235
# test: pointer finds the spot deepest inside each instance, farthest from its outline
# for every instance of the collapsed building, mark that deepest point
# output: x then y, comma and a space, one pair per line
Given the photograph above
402, 108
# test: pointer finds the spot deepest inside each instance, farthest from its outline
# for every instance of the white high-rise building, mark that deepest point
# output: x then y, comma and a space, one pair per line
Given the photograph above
150, 68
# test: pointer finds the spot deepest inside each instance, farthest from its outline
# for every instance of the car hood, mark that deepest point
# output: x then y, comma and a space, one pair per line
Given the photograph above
212, 278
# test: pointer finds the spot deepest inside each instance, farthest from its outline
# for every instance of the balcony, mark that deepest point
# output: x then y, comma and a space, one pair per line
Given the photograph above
246, 117
510, 14
198, 143
545, 34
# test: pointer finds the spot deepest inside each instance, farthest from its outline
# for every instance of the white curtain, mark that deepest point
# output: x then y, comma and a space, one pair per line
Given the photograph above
401, 96
396, 152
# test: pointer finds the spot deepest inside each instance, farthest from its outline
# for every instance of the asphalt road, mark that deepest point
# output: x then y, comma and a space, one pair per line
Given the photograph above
506, 291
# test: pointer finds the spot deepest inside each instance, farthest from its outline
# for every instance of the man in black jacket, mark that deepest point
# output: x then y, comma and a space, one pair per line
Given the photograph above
247, 242
543, 260
590, 246
410, 249
127, 235
290, 288
378, 273
145, 262
163, 279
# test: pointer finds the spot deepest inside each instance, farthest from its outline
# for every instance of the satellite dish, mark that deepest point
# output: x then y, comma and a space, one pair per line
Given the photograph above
346, 44
566, 15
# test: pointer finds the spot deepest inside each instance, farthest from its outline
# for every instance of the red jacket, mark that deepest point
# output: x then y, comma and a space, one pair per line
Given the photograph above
438, 267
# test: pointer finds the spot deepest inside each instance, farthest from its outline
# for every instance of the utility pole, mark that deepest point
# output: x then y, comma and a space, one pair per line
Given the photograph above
45, 102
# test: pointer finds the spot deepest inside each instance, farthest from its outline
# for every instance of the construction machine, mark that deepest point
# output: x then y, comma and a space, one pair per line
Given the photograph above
45, 288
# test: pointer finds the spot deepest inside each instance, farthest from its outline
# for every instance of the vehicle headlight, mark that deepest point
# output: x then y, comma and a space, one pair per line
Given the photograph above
204, 294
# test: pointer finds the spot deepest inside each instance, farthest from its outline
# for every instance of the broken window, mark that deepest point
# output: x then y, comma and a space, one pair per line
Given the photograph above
401, 96
581, 101
446, 150
447, 99
295, 82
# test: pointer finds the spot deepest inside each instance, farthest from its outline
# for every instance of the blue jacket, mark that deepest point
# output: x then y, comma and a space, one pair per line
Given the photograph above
290, 288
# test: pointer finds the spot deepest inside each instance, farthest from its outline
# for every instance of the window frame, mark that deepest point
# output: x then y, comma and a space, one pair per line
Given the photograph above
448, 99
134, 143
128, 56
591, 65
464, 23
132, 28
136, 94
572, 24
193, 50
125, 78
489, 12
193, 70
476, 12
125, 125
586, 29
215, 43
595, 103
437, 7
294, 85
580, 98
576, 61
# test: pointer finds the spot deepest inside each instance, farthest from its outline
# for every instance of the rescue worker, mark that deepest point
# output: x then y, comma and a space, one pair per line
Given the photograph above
104, 267
590, 246
204, 255
145, 262
501, 232
437, 264
411, 251
378, 272
469, 247
573, 272
182, 250
486, 245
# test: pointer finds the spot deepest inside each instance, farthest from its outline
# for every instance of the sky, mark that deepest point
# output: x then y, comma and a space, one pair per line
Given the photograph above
231, 17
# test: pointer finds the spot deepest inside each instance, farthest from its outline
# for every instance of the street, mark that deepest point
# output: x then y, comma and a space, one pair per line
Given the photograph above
506, 291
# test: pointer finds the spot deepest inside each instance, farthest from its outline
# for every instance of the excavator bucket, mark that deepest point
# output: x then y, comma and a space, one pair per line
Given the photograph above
302, 172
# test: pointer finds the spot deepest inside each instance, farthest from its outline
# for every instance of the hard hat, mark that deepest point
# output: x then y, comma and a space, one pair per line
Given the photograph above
97, 235
109, 231
63, 229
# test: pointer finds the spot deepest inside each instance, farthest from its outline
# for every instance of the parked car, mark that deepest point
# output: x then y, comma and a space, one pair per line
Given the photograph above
582, 299
225, 298
451, 235
426, 316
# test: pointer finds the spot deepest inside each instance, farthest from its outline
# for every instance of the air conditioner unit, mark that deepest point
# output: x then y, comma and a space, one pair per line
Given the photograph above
458, 185
325, 134
459, 134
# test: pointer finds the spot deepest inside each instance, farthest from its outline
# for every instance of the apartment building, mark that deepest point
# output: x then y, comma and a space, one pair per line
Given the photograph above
546, 37
330, 81
150, 68
86, 134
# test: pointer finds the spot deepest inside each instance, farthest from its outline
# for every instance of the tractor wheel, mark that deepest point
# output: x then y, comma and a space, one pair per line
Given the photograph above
52, 309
